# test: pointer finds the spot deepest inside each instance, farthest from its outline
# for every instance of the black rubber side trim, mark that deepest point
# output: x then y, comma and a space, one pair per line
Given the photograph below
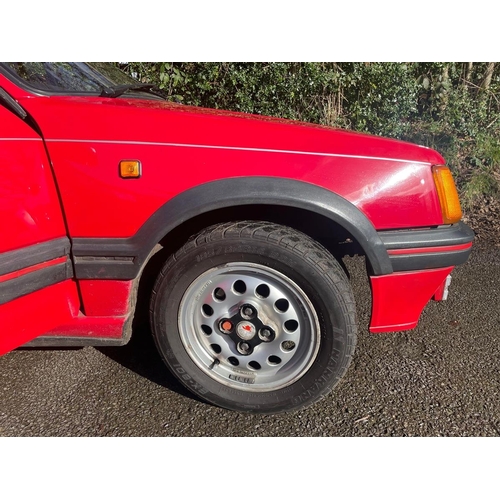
36, 280
60, 341
457, 234
10, 103
444, 236
14, 260
122, 258
434, 260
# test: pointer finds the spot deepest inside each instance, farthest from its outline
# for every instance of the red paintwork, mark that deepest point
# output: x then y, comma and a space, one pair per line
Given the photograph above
180, 147
411, 251
30, 211
110, 327
45, 309
399, 298
392, 194
105, 297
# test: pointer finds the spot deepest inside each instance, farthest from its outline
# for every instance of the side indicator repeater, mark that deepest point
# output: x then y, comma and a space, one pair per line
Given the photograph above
130, 169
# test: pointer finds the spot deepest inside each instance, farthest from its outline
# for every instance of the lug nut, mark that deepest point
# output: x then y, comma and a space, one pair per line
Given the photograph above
266, 334
247, 312
244, 348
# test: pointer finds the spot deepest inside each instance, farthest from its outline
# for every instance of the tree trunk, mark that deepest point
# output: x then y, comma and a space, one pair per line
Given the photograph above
445, 75
443, 94
485, 84
468, 73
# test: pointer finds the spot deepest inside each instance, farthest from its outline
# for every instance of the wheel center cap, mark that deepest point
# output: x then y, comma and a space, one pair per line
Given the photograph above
245, 330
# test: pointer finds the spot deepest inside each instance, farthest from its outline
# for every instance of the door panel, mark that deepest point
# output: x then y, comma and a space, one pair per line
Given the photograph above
27, 317
30, 211
37, 292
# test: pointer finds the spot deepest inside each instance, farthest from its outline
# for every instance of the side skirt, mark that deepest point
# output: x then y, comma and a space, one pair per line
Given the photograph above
60, 341
88, 331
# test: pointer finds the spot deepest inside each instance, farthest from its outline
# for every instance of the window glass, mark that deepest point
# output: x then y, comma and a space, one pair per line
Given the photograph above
70, 76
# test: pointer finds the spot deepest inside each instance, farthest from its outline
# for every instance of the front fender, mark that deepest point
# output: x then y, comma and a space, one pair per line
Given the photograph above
122, 258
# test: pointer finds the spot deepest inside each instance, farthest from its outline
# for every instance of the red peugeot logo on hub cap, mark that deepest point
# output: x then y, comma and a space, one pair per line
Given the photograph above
245, 330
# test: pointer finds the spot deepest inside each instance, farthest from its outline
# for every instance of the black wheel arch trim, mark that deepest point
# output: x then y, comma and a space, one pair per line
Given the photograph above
122, 258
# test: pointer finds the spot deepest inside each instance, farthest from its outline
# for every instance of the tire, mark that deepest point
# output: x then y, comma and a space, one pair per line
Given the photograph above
254, 317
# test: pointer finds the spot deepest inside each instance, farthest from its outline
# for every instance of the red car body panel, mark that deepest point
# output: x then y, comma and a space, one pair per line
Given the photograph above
181, 147
88, 329
30, 218
30, 211
35, 314
106, 297
80, 195
395, 288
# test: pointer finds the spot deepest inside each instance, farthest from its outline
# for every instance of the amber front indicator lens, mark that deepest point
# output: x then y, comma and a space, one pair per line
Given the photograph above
447, 192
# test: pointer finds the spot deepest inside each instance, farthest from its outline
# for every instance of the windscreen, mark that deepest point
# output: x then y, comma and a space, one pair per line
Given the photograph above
69, 77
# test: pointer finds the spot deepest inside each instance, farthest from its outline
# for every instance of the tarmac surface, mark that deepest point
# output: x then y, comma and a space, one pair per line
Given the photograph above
440, 379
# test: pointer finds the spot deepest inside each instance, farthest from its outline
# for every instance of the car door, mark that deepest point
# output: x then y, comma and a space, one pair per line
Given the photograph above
37, 292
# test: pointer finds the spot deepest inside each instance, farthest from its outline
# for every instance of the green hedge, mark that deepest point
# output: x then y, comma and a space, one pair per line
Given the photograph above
452, 107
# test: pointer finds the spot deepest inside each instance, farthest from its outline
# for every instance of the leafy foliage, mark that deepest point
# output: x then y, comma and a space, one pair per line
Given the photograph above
452, 107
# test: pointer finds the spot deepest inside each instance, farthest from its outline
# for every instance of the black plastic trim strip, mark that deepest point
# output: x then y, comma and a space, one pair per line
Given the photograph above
34, 281
457, 234
15, 260
442, 236
10, 103
60, 341
434, 260
122, 258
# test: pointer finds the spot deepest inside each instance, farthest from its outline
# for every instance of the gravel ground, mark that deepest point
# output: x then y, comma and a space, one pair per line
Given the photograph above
441, 379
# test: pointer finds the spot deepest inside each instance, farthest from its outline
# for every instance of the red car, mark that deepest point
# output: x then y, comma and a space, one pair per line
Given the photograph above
241, 220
